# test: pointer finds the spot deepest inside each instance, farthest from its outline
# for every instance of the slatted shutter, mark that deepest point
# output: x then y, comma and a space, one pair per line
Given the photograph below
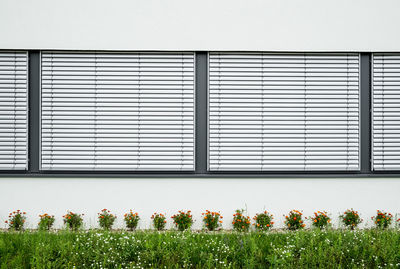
117, 111
283, 111
13, 110
386, 112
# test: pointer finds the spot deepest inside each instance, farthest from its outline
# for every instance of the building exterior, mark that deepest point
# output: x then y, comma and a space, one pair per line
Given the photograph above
169, 105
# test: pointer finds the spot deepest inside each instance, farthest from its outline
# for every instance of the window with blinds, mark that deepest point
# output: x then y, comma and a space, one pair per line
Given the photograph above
283, 112
13, 110
386, 112
117, 111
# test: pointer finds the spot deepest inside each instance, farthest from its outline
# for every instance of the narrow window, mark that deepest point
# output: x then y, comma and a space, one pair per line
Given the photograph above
13, 110
386, 112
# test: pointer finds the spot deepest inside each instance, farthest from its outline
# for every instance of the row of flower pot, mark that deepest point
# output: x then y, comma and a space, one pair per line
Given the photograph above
212, 221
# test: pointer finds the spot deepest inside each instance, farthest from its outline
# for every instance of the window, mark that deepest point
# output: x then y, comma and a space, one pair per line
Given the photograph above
13, 110
386, 112
283, 112
117, 111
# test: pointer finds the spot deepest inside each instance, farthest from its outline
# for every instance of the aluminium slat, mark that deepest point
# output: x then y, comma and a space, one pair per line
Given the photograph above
385, 112
13, 110
137, 105
283, 93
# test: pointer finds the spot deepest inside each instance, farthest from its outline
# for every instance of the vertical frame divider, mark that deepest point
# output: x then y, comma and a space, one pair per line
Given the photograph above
201, 111
34, 112
365, 113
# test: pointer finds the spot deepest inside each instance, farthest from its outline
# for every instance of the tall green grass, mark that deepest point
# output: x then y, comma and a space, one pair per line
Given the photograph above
95, 249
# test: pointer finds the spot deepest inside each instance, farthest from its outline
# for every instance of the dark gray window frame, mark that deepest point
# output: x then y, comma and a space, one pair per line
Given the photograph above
201, 133
34, 112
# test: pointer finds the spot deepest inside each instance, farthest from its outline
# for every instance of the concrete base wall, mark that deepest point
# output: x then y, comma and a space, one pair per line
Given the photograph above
166, 195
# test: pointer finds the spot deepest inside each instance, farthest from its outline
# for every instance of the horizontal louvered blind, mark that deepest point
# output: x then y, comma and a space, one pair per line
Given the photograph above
386, 112
283, 111
117, 111
13, 110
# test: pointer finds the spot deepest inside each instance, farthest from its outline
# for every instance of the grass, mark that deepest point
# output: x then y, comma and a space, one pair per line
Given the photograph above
148, 249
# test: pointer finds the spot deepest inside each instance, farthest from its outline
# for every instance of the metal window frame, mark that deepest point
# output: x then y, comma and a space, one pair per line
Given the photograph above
34, 102
201, 133
362, 88
383, 171
59, 171
365, 112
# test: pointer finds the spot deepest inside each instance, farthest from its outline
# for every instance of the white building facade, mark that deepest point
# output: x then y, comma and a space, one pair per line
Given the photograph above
159, 106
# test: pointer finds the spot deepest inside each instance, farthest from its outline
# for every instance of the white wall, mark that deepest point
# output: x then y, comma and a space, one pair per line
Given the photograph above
270, 25
278, 195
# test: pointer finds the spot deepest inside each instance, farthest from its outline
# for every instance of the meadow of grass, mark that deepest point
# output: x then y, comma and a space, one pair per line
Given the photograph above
370, 248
